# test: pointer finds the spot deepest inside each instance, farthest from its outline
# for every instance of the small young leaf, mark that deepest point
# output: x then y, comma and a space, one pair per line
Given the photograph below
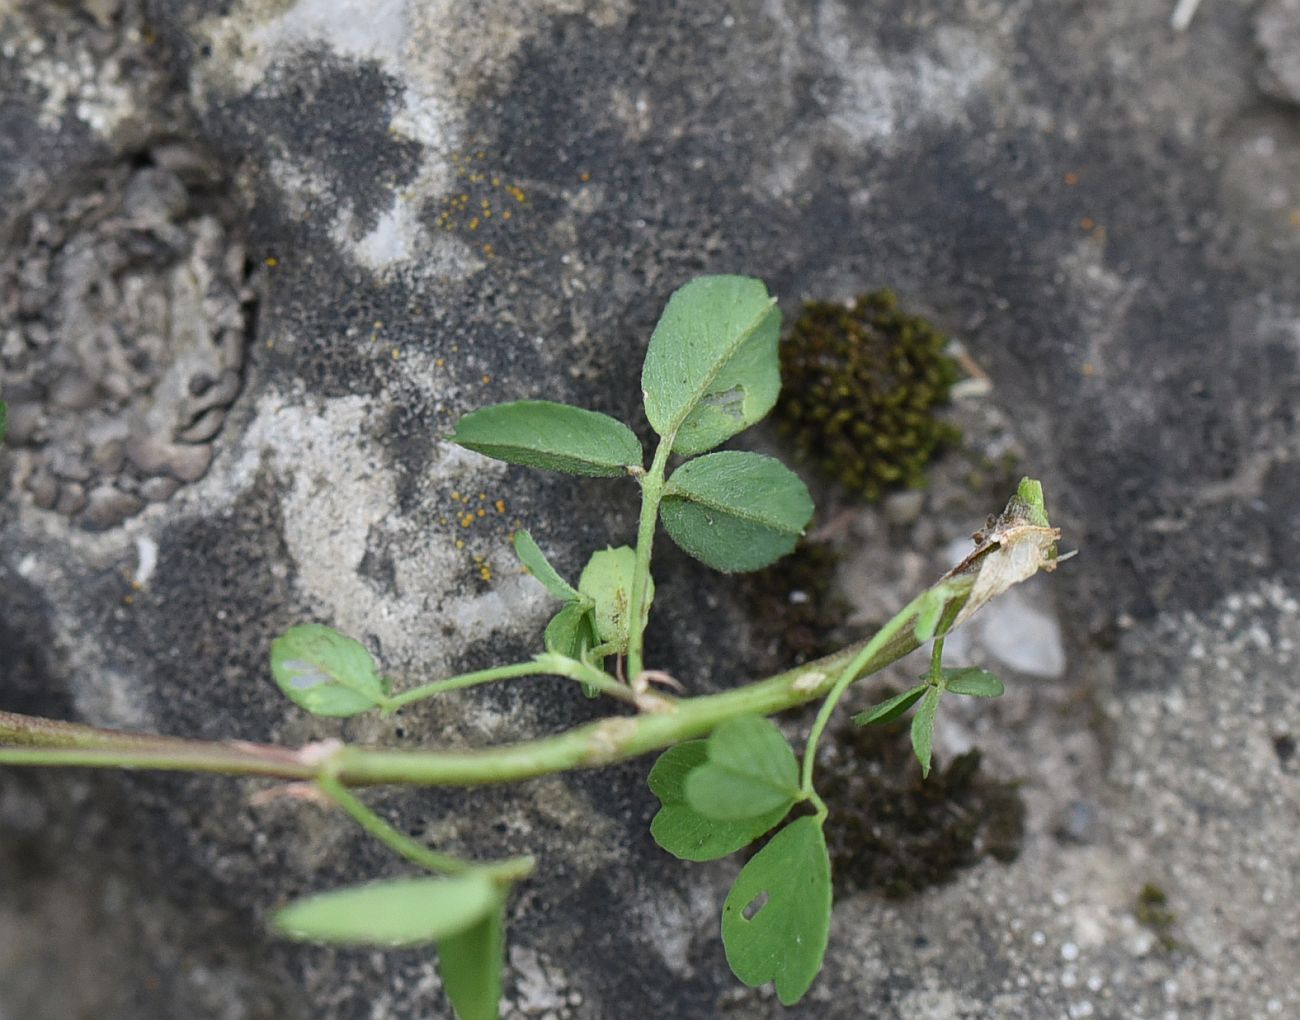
923, 728
555, 437
751, 771
777, 917
888, 711
325, 672
735, 510
572, 631
711, 369
400, 912
607, 581
470, 965
979, 683
532, 557
683, 831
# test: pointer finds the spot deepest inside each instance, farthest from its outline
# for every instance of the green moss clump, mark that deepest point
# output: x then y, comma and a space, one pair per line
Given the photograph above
1152, 911
893, 832
860, 386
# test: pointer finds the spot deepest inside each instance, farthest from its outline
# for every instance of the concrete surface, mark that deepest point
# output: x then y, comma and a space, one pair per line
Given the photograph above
1104, 210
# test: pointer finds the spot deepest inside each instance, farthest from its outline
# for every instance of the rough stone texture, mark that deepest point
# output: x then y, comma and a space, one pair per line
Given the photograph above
1104, 210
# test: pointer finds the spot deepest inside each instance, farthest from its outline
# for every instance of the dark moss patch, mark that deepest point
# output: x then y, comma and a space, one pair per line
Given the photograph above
794, 608
861, 384
892, 832
1152, 912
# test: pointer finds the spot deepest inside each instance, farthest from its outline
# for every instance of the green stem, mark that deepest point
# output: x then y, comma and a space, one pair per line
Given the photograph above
507, 871
549, 665
591, 746
936, 662
396, 841
652, 490
851, 672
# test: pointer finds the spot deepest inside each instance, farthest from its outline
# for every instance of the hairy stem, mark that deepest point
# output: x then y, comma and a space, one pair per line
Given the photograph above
590, 746
652, 488
396, 841
541, 665
890, 632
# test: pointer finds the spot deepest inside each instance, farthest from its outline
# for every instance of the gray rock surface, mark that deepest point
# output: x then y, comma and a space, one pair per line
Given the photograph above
403, 209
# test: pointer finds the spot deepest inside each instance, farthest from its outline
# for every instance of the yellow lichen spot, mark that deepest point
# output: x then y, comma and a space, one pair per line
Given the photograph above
439, 362
485, 572
482, 497
455, 494
1087, 223
505, 215
1087, 368
271, 262
466, 520
442, 521
396, 353
1071, 179
496, 182
481, 512
480, 155
487, 379
460, 544
1294, 218
584, 177
500, 504
517, 193
128, 599
473, 223
488, 250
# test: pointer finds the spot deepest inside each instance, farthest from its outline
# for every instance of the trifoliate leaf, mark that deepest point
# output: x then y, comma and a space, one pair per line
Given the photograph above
750, 771
683, 831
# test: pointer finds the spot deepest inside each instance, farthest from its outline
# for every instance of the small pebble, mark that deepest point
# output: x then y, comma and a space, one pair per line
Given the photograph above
107, 507
72, 497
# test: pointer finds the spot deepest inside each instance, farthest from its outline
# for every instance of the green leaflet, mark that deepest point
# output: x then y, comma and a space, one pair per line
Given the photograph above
735, 510
326, 672
711, 369
683, 831
750, 771
572, 631
532, 557
888, 711
555, 437
786, 891
923, 728
607, 581
400, 912
470, 964
978, 683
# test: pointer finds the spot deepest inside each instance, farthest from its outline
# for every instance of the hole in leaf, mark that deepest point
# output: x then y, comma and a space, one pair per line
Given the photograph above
729, 402
754, 906
308, 676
